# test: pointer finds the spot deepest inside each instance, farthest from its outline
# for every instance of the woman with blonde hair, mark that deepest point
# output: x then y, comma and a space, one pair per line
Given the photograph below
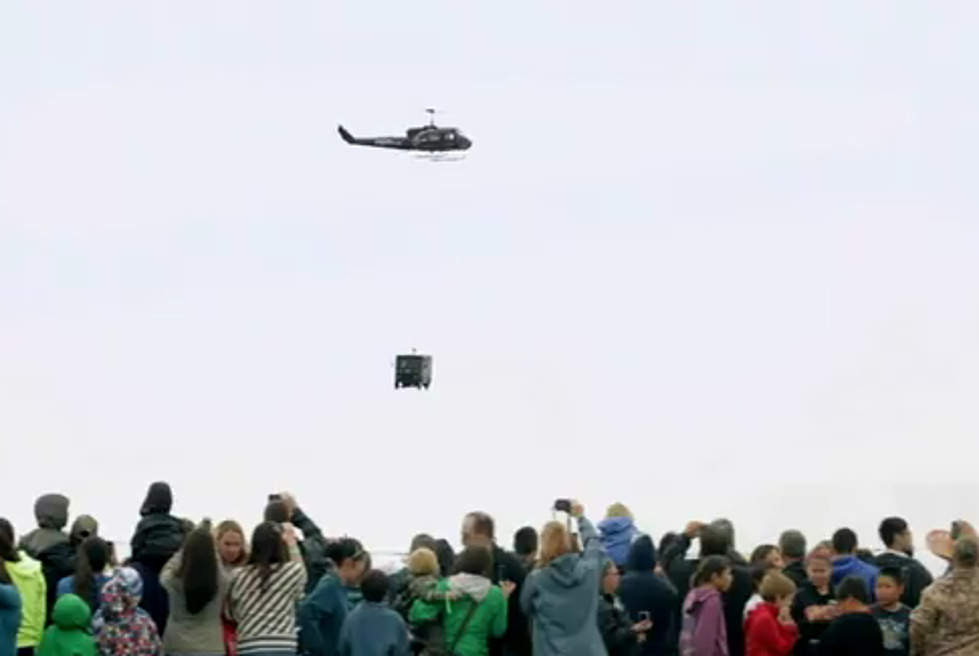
231, 544
561, 597
617, 530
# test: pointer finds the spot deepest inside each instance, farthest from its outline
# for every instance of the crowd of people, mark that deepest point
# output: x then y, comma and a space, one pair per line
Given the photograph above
571, 589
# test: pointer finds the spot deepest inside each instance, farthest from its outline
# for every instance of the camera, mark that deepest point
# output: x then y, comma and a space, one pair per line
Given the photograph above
562, 505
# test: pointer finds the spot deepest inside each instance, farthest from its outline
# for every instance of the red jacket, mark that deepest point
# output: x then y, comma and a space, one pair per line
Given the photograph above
766, 635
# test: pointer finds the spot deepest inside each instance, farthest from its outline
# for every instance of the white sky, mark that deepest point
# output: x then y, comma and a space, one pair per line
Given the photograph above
702, 259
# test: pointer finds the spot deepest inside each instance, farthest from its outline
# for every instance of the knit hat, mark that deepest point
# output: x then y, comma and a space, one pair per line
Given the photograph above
159, 500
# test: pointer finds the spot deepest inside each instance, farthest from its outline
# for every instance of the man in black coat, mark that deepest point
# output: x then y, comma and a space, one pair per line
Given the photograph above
714, 541
792, 544
478, 529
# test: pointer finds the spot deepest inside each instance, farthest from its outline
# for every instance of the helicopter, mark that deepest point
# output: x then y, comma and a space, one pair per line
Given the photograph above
413, 370
427, 138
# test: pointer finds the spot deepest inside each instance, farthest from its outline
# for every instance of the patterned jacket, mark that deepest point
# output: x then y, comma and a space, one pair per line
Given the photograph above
946, 622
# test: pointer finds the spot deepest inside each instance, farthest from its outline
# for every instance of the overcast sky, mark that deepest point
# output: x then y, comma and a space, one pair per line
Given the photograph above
703, 258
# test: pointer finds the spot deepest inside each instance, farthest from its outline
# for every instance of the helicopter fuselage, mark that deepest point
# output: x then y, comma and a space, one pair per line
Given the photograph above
429, 138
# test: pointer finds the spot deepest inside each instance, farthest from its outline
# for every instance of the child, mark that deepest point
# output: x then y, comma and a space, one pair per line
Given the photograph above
373, 629
704, 630
125, 629
758, 572
770, 630
855, 632
893, 616
69, 635
423, 567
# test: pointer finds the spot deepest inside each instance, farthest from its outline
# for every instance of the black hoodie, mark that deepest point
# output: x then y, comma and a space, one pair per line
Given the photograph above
644, 591
159, 535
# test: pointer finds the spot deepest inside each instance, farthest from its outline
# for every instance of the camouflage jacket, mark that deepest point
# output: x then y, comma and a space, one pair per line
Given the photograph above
946, 622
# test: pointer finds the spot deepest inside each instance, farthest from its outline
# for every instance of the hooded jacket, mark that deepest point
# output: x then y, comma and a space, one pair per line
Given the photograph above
488, 621
9, 619
49, 545
681, 571
28, 576
845, 566
644, 591
68, 635
617, 534
562, 601
615, 626
321, 616
704, 628
766, 635
125, 629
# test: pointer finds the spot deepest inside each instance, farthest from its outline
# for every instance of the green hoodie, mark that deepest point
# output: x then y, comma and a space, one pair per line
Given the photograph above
69, 635
27, 575
488, 621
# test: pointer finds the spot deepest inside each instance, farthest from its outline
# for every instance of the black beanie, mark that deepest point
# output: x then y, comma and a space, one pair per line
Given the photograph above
159, 500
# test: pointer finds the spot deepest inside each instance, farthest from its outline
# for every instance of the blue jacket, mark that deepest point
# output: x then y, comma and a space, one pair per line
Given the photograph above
617, 535
853, 566
562, 601
321, 617
374, 630
9, 619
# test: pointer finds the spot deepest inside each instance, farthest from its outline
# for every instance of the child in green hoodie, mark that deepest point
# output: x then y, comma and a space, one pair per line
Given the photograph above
68, 635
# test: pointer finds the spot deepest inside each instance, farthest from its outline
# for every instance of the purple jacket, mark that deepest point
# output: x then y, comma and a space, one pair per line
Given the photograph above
704, 630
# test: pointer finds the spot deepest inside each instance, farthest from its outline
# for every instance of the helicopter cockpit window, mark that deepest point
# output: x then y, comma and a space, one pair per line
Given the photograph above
451, 136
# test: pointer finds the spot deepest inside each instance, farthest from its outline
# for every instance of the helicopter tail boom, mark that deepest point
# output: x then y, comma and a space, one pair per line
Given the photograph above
345, 135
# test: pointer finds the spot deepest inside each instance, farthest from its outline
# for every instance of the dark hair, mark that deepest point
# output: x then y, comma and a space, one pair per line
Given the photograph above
760, 554
482, 524
446, 556
374, 586
475, 560
844, 541
8, 545
890, 528
267, 550
793, 544
198, 569
853, 587
422, 540
714, 541
345, 549
758, 572
277, 512
709, 568
893, 573
94, 555
525, 541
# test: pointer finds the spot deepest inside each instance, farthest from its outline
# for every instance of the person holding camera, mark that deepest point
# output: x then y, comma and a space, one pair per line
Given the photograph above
561, 597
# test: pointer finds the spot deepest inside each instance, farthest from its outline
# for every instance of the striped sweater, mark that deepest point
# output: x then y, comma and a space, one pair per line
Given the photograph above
267, 618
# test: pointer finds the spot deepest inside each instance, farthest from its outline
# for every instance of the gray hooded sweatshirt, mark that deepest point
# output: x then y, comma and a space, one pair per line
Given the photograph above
562, 601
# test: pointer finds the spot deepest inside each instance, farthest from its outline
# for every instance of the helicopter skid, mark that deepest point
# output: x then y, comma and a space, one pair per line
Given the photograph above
440, 157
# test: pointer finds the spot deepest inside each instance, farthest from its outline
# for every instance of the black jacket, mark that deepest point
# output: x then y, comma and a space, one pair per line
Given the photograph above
616, 629
313, 549
854, 634
681, 571
809, 632
796, 570
516, 642
641, 590
916, 577
157, 538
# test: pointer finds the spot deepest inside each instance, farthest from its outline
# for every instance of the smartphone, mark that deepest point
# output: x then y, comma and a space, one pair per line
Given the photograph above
562, 505
275, 497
